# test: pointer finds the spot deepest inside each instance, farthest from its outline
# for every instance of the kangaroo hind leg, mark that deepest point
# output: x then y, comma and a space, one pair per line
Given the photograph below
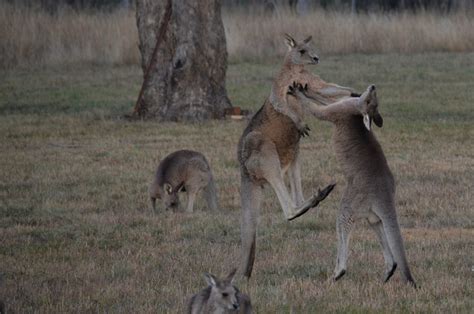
344, 225
390, 265
270, 168
395, 242
294, 172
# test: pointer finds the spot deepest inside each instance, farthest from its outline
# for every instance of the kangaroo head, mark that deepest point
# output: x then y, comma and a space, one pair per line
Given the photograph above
300, 53
170, 195
223, 293
368, 106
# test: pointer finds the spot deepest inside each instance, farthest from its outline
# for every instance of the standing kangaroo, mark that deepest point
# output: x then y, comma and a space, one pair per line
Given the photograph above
183, 171
293, 69
370, 188
269, 147
221, 296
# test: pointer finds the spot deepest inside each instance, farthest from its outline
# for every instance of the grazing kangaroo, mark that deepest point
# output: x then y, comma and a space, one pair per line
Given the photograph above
269, 147
221, 296
370, 188
183, 171
293, 69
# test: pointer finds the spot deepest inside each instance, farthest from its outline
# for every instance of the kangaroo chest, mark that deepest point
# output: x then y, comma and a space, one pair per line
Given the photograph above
283, 133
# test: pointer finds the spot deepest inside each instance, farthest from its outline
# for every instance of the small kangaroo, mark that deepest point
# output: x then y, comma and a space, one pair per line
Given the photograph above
221, 296
300, 54
370, 189
183, 171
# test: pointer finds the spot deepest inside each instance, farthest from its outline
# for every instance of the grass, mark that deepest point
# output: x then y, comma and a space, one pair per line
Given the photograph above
77, 233
30, 36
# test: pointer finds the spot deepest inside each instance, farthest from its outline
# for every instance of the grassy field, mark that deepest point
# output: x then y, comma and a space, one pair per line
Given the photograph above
77, 233
31, 37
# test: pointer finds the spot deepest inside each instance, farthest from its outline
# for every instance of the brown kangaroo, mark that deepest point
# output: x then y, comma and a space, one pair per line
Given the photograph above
298, 56
269, 147
370, 189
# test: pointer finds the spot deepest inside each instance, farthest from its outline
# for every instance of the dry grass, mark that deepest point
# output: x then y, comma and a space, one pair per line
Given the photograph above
251, 36
77, 234
32, 37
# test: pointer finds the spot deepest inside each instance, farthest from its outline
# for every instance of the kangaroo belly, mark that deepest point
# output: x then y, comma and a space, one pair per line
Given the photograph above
282, 131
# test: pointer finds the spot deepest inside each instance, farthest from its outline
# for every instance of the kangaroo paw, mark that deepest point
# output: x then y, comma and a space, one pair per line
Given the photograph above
303, 130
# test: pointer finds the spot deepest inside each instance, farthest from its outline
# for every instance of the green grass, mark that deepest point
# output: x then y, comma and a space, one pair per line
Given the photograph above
77, 233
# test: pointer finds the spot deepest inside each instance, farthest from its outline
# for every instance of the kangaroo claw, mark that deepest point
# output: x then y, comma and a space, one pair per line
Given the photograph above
304, 131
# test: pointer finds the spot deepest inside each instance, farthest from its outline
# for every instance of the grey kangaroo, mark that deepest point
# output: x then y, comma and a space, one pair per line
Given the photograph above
221, 296
370, 189
183, 171
269, 147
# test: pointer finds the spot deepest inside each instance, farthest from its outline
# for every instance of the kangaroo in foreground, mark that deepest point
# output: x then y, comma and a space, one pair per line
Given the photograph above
221, 296
370, 188
183, 171
269, 147
300, 54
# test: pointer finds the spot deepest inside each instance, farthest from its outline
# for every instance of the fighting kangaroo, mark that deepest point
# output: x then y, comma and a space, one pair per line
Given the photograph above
298, 56
269, 146
221, 296
370, 188
183, 171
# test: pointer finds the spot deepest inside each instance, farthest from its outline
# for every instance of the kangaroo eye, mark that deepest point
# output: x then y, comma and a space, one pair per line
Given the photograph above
302, 51
225, 295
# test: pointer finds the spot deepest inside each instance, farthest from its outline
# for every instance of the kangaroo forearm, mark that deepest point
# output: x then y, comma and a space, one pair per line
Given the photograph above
334, 90
315, 108
316, 97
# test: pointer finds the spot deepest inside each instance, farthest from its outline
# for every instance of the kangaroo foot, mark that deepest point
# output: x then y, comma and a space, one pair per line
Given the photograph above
339, 275
315, 200
390, 272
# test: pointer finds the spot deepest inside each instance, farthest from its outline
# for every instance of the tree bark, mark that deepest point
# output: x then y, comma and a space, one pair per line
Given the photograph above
187, 81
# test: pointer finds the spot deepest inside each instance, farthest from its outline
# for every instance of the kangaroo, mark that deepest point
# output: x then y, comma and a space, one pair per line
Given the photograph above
269, 147
183, 171
370, 189
221, 296
300, 54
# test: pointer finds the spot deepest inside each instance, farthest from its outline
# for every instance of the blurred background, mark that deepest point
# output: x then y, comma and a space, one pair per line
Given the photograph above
58, 32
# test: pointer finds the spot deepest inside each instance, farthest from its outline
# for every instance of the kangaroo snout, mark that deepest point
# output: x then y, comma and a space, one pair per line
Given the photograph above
316, 59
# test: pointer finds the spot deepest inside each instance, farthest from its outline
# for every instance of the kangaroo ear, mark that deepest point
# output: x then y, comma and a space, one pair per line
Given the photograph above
307, 40
290, 42
210, 279
378, 120
168, 188
231, 275
367, 121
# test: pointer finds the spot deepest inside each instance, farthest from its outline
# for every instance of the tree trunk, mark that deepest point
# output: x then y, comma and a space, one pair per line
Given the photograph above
187, 81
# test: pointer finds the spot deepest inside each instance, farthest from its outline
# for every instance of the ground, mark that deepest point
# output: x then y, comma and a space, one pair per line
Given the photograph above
77, 233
